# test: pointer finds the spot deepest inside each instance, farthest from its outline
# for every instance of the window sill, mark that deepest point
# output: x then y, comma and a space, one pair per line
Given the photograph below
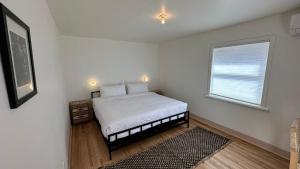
237, 102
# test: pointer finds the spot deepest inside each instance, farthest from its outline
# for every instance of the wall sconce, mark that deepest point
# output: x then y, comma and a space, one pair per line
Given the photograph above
145, 78
92, 83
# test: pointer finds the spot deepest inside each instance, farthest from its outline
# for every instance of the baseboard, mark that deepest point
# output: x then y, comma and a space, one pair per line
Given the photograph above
246, 138
70, 148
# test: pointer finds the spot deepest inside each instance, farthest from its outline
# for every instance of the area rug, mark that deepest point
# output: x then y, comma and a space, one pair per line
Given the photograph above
184, 151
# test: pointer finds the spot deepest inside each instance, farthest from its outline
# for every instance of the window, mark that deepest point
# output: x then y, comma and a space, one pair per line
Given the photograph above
238, 72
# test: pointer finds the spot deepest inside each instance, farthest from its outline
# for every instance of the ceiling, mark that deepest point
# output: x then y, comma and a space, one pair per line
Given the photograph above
133, 20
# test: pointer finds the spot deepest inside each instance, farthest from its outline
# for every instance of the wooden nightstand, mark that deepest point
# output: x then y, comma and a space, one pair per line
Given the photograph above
80, 111
158, 92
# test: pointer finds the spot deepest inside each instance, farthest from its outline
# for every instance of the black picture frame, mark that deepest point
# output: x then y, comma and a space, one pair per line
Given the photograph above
17, 59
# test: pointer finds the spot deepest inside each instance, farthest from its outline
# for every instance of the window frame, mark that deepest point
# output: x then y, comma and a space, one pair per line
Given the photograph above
263, 106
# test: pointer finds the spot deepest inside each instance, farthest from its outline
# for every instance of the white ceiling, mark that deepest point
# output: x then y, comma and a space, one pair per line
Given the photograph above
132, 20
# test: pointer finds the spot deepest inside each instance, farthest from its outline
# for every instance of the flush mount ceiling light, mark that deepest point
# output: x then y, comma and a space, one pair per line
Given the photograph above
163, 16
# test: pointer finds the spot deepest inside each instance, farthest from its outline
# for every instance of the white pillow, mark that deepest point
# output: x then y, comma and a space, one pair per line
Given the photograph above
133, 88
113, 90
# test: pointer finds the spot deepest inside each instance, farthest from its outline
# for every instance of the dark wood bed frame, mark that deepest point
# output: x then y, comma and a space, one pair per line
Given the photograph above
113, 142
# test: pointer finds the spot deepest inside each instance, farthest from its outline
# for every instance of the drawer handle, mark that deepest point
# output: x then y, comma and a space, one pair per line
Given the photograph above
85, 108
80, 109
75, 110
82, 116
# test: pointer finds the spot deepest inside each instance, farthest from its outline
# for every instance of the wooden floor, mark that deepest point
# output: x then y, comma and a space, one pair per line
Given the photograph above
88, 150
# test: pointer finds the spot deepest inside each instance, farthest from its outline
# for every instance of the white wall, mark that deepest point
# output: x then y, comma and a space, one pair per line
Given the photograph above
35, 136
108, 61
184, 69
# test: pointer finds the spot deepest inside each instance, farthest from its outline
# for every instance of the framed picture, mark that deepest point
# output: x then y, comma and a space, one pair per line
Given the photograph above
17, 60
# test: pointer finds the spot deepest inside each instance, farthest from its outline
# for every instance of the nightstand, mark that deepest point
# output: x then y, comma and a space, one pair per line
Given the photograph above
80, 111
158, 92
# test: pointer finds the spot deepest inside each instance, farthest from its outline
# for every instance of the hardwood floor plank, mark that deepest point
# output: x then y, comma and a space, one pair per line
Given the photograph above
89, 151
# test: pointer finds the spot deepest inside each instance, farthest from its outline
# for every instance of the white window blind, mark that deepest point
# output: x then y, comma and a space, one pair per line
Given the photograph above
238, 72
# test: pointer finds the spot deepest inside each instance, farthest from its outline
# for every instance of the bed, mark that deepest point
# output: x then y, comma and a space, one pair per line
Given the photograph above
125, 119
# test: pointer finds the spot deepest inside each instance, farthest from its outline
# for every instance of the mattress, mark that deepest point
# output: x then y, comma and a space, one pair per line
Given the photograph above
119, 113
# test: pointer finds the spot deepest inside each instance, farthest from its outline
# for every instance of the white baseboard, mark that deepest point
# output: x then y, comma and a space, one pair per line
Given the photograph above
246, 138
70, 148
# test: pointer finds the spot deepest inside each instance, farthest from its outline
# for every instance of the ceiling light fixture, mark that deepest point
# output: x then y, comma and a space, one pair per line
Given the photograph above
163, 16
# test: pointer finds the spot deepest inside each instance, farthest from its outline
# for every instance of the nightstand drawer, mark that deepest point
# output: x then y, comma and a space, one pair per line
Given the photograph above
79, 113
80, 109
81, 116
81, 105
80, 120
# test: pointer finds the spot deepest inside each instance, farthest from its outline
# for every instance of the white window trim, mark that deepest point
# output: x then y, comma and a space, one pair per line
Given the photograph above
263, 106
242, 103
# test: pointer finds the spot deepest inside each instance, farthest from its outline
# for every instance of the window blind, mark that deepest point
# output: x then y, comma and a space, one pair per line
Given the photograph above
238, 72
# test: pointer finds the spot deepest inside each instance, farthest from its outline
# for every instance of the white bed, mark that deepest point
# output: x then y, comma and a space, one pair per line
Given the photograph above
119, 113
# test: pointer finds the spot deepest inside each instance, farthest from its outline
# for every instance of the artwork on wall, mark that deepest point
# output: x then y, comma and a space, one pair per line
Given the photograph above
17, 59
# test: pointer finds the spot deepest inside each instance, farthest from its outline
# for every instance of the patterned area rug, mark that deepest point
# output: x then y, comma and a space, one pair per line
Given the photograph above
181, 152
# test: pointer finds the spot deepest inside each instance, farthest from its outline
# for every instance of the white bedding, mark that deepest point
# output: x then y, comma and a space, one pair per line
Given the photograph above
123, 112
